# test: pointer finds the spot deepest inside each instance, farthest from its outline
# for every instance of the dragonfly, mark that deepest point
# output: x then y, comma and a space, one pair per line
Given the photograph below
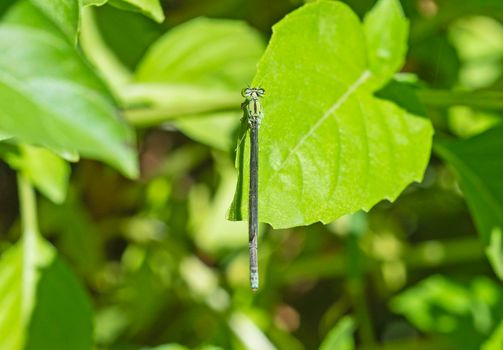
254, 113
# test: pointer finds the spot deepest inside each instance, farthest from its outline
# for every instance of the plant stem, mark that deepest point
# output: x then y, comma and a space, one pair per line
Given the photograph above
489, 100
28, 211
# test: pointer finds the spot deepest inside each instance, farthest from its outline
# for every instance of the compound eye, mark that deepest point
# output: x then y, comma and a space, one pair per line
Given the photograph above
261, 91
245, 92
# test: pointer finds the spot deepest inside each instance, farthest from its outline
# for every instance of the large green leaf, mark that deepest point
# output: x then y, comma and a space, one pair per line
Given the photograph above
328, 146
193, 73
65, 14
477, 162
198, 66
50, 97
151, 8
43, 305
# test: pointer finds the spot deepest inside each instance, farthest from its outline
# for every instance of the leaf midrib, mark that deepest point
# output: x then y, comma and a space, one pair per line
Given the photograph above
364, 76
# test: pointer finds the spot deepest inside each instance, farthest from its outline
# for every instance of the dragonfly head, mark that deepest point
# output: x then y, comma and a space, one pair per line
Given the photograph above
253, 93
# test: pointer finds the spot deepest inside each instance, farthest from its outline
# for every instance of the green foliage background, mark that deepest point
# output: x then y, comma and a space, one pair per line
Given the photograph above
119, 122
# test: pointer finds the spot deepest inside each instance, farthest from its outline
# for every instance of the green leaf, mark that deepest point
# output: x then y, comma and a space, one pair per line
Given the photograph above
465, 313
94, 2
64, 14
477, 163
50, 97
150, 8
341, 336
495, 342
37, 287
45, 170
201, 57
193, 73
214, 129
386, 30
328, 146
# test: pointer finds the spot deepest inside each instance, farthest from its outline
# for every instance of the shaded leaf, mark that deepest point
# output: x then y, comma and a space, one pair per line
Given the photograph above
341, 336
150, 8
477, 163
495, 342
465, 314
43, 305
328, 146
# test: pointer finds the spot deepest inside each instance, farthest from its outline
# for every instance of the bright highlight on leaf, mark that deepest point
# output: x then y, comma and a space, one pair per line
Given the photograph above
329, 147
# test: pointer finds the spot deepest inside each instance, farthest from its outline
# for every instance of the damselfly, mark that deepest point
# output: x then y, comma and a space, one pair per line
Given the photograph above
254, 113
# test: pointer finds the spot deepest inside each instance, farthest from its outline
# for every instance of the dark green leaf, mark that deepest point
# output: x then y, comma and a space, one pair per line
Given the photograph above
477, 162
43, 305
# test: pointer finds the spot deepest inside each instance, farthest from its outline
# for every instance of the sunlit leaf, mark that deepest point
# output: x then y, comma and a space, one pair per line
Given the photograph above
195, 72
45, 170
477, 163
65, 14
328, 147
50, 97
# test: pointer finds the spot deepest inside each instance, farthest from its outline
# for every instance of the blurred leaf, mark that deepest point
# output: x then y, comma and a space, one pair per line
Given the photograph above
466, 122
43, 305
151, 8
479, 42
94, 2
65, 14
45, 170
203, 128
205, 63
76, 234
341, 336
477, 163
50, 97
436, 61
386, 30
167, 347
328, 146
495, 342
126, 34
466, 314
211, 231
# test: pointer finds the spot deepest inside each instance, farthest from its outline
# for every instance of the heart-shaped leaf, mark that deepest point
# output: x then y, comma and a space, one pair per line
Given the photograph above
328, 146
